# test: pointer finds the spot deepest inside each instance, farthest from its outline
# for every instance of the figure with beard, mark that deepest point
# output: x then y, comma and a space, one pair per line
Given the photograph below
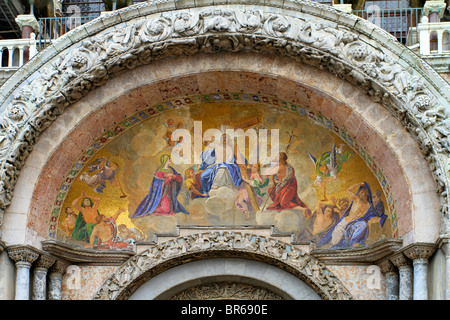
319, 223
283, 193
352, 228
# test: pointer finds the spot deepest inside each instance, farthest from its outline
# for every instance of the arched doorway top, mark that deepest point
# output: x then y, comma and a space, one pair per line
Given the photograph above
342, 44
224, 278
215, 244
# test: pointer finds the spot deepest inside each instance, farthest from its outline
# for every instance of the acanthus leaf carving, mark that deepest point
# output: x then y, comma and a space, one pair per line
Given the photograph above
125, 277
329, 47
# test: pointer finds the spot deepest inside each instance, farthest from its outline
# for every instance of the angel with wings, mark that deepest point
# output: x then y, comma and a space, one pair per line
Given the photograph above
105, 170
328, 166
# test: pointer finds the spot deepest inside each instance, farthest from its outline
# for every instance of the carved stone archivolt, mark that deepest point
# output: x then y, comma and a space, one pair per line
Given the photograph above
352, 49
141, 267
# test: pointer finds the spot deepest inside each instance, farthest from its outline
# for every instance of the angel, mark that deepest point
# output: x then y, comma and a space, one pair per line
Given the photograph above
328, 166
106, 171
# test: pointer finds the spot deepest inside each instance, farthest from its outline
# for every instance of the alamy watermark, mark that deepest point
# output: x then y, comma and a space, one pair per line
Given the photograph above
229, 145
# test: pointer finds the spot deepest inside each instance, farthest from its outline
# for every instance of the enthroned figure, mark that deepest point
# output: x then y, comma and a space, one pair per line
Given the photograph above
219, 166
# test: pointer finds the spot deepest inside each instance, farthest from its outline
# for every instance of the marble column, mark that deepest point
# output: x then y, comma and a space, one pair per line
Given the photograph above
445, 246
55, 279
419, 254
29, 25
42, 264
434, 10
405, 275
23, 256
392, 281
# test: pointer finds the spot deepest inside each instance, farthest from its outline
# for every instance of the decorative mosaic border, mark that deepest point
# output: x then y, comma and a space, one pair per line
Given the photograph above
159, 109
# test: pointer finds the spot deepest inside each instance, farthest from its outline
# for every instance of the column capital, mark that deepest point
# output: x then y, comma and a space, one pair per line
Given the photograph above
44, 262
437, 6
22, 254
420, 251
400, 260
28, 20
386, 266
59, 267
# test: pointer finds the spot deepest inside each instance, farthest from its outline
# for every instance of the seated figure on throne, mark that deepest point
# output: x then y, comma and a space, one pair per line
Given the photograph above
217, 170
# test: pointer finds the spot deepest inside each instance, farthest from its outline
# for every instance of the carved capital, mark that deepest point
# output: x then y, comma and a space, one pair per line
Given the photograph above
44, 262
386, 266
434, 6
28, 20
59, 267
400, 260
421, 251
23, 255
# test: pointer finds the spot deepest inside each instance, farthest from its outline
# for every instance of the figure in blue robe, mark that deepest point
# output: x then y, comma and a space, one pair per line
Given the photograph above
164, 190
357, 230
210, 169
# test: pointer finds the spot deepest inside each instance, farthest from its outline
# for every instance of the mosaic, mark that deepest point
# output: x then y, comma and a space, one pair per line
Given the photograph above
128, 186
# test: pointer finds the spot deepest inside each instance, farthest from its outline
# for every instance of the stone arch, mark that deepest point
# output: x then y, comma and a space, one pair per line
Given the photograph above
340, 44
253, 279
357, 114
215, 244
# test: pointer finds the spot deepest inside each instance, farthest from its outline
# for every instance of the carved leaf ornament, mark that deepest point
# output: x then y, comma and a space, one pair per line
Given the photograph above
221, 243
35, 104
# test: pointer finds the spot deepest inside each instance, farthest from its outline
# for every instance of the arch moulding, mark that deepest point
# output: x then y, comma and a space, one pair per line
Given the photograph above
221, 244
343, 45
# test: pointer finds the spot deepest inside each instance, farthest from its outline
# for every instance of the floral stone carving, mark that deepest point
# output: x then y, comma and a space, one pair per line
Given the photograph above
316, 41
141, 267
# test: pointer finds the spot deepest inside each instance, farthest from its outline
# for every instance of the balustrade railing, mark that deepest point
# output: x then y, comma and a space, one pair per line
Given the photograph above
53, 28
15, 52
399, 22
434, 37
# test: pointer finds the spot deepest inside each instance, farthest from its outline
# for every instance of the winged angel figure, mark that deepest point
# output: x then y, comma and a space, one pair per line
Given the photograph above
328, 166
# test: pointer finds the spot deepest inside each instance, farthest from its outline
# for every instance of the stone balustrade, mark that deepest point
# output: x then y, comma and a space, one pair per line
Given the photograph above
13, 53
434, 37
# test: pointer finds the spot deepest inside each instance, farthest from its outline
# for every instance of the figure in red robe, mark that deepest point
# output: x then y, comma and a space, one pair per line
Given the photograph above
284, 190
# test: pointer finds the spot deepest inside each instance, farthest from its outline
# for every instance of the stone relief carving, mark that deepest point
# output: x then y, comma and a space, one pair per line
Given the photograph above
227, 291
21, 254
337, 49
132, 271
